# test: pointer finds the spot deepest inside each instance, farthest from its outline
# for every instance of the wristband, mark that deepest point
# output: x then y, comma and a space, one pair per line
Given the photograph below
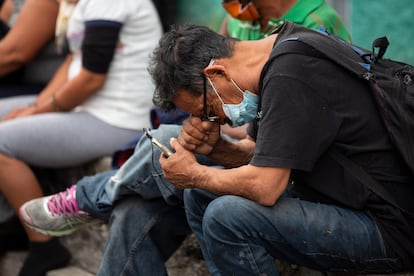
55, 105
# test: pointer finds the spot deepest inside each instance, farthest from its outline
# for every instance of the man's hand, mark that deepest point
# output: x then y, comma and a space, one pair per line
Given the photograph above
179, 167
199, 136
261, 184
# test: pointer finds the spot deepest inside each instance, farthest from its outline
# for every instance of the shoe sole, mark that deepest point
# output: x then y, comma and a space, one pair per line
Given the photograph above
55, 233
59, 233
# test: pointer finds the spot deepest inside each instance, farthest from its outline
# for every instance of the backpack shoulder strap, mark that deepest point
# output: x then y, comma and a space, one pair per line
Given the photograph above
349, 56
364, 177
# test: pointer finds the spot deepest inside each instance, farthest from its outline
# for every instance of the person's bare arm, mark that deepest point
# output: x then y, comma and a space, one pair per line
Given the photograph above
62, 94
235, 132
6, 10
33, 29
79, 89
58, 80
203, 137
69, 93
261, 184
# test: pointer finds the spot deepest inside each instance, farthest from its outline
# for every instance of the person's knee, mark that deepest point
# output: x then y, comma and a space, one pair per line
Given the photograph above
137, 213
165, 132
124, 210
196, 200
224, 214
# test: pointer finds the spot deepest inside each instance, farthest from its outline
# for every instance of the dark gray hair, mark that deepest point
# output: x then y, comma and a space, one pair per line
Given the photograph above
180, 58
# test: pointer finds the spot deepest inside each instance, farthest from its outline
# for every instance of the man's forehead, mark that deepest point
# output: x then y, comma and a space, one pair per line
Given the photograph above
185, 98
190, 104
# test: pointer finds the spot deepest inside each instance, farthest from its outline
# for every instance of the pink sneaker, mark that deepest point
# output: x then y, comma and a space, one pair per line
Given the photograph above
55, 215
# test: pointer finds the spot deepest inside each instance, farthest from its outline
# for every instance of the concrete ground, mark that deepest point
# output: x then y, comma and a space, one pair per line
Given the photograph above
86, 246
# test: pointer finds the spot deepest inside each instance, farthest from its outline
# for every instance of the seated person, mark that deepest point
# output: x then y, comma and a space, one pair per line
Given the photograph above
100, 195
27, 55
300, 106
97, 100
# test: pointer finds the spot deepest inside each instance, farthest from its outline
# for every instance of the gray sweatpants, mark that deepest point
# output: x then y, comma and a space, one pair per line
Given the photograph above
55, 140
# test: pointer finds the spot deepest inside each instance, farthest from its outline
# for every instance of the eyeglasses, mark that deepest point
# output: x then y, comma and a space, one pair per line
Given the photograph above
206, 116
247, 12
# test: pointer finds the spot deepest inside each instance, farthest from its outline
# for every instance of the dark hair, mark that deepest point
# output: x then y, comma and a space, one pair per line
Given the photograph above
180, 58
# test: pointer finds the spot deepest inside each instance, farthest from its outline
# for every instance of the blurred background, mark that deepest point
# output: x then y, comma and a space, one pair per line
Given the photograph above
366, 20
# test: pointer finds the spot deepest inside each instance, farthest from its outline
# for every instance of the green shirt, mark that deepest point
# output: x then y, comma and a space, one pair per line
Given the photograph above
309, 13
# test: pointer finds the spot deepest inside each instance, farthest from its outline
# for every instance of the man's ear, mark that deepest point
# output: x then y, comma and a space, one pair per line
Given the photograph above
216, 69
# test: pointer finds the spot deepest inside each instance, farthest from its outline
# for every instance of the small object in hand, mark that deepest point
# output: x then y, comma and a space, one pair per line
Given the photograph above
166, 151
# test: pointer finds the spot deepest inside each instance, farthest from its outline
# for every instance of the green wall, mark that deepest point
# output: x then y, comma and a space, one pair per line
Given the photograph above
370, 19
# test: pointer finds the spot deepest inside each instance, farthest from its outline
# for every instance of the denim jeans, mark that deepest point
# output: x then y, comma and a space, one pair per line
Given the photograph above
140, 175
240, 237
147, 220
143, 235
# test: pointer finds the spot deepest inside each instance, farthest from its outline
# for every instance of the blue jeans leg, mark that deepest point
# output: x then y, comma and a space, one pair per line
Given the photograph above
241, 237
143, 235
91, 196
147, 220
140, 175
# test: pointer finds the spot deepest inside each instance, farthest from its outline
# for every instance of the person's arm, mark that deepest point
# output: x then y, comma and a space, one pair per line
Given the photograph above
63, 94
203, 137
34, 27
235, 132
58, 80
43, 101
60, 95
263, 185
6, 10
86, 83
98, 49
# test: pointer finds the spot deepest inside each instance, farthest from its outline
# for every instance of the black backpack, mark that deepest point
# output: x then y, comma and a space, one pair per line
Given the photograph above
391, 82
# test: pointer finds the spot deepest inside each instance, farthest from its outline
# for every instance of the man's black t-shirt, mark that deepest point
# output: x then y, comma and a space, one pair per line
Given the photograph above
309, 104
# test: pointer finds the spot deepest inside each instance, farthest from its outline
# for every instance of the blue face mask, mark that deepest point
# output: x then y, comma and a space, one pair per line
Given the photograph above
241, 113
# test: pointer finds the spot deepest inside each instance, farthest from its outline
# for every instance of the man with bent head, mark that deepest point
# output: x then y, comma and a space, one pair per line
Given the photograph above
300, 106
98, 195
